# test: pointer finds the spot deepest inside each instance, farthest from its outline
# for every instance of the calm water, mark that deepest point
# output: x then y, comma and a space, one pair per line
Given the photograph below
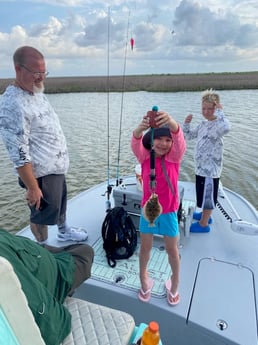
84, 121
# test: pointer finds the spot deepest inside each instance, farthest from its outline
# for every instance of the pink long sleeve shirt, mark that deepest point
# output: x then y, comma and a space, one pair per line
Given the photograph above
168, 198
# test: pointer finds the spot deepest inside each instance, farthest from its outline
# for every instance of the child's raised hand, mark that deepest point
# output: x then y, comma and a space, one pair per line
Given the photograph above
218, 106
143, 125
189, 118
164, 119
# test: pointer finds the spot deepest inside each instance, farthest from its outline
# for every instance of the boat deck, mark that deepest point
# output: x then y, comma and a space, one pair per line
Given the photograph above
126, 273
218, 274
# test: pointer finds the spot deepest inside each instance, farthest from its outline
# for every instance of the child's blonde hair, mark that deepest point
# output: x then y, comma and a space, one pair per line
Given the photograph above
210, 96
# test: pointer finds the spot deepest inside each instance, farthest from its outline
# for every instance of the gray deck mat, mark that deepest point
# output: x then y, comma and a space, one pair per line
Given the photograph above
126, 272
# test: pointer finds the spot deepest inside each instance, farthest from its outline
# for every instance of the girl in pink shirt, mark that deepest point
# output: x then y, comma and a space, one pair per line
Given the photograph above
169, 147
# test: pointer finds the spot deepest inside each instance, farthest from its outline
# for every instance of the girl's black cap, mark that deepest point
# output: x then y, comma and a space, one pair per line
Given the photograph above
158, 132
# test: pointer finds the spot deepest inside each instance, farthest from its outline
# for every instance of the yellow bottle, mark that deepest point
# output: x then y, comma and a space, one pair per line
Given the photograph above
151, 334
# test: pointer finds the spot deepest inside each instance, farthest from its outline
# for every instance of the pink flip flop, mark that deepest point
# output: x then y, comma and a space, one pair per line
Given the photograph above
172, 299
145, 296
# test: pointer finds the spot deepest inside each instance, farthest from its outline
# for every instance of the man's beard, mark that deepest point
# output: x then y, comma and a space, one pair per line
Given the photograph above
39, 89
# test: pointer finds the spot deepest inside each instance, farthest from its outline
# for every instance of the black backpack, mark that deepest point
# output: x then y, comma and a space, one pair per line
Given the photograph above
119, 235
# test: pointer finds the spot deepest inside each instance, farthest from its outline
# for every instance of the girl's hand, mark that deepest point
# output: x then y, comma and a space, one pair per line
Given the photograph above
164, 119
145, 123
143, 126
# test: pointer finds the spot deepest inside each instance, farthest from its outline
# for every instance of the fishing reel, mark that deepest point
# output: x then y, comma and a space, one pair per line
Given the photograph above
186, 218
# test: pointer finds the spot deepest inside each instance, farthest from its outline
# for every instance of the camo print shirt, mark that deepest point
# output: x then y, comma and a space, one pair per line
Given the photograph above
208, 153
32, 133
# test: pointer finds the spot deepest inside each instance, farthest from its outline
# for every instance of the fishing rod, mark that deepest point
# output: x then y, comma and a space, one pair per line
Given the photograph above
152, 114
109, 187
118, 180
152, 208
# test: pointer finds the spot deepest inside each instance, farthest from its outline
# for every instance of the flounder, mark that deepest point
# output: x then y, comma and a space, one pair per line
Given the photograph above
152, 209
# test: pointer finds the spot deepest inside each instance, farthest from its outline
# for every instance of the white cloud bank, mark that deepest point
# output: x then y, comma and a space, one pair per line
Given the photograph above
187, 36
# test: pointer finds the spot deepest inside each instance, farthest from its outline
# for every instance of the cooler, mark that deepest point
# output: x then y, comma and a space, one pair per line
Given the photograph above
129, 197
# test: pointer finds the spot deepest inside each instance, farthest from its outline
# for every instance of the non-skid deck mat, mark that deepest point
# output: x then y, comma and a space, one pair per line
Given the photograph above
126, 272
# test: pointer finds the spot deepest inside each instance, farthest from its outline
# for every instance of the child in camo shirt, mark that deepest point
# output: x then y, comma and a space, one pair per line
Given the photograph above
208, 156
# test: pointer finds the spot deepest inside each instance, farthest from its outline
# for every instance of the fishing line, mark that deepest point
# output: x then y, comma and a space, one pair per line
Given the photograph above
118, 181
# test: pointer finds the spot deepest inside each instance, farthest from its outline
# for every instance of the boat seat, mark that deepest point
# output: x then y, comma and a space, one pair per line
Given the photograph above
17, 324
95, 324
92, 324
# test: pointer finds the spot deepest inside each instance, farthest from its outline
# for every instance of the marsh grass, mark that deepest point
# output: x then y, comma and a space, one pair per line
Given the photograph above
152, 83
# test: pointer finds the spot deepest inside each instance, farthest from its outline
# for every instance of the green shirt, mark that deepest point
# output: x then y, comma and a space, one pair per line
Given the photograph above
46, 279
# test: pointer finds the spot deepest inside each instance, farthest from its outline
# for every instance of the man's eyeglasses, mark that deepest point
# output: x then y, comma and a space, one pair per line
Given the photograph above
35, 74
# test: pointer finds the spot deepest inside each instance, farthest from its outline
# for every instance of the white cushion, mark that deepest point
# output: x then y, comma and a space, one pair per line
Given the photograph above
93, 324
16, 311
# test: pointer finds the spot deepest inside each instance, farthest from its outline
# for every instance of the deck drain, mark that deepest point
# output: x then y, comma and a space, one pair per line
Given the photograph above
119, 278
222, 325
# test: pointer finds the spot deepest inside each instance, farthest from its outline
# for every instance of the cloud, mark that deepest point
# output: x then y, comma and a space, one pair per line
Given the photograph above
196, 25
73, 35
53, 28
97, 33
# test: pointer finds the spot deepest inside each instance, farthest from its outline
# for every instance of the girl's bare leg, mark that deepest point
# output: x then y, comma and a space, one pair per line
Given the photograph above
174, 261
144, 257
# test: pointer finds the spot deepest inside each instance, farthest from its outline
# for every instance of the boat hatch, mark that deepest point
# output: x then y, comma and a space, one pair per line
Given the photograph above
223, 302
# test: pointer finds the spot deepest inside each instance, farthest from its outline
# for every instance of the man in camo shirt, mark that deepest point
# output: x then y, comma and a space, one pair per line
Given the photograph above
36, 144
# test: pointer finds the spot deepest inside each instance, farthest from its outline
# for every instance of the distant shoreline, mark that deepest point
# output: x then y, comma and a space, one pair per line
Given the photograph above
151, 83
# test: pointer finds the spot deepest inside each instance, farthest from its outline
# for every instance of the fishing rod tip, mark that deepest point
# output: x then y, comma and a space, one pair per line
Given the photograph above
155, 108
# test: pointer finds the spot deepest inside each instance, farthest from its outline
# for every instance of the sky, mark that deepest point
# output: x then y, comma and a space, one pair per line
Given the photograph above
93, 37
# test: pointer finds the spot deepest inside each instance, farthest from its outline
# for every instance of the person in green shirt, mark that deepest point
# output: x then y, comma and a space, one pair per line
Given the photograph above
47, 276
